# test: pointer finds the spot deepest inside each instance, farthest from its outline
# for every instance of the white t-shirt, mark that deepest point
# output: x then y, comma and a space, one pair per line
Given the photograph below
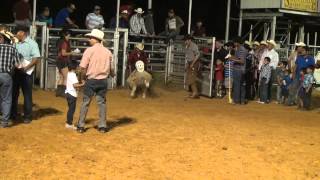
172, 24
71, 80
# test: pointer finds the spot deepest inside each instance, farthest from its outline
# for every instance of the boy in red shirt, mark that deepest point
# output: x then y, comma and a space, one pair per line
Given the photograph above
219, 78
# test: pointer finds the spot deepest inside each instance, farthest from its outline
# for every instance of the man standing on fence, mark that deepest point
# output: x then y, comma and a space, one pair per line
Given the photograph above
96, 65
192, 66
9, 57
23, 77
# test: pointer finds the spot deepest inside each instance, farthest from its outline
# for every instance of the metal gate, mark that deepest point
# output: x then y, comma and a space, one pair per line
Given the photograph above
175, 71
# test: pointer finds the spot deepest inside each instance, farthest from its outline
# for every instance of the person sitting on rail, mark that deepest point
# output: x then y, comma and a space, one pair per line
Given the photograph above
63, 17
123, 20
45, 16
173, 26
95, 20
137, 25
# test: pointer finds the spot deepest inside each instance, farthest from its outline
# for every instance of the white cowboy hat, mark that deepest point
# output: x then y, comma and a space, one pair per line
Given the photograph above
247, 43
263, 43
140, 66
139, 11
272, 42
96, 33
140, 46
124, 12
301, 44
256, 43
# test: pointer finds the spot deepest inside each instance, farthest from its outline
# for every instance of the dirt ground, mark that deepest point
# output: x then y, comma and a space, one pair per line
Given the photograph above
168, 137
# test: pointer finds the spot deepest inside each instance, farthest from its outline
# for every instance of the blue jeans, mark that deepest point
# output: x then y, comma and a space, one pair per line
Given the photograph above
239, 87
96, 88
6, 96
23, 81
264, 90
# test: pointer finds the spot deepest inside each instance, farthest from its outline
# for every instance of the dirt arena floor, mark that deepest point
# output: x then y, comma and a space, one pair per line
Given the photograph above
168, 137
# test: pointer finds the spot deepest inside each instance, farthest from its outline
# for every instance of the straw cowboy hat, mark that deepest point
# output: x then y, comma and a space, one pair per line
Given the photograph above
12, 37
5, 34
272, 42
140, 46
139, 11
96, 33
247, 43
263, 43
301, 44
256, 43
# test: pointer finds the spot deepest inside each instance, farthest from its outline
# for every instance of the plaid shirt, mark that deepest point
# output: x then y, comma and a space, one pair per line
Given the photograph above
265, 72
137, 25
308, 81
9, 57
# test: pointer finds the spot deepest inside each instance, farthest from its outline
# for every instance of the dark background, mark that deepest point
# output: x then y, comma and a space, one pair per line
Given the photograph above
213, 12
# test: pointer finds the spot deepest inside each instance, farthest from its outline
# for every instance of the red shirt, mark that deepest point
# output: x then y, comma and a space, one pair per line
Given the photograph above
21, 9
66, 46
135, 56
219, 72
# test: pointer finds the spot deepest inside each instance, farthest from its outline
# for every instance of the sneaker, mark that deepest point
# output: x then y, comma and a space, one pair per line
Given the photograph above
81, 129
68, 126
103, 129
27, 121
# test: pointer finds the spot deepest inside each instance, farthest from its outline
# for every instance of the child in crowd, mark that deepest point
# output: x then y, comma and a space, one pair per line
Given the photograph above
228, 71
286, 82
264, 79
219, 78
280, 71
306, 89
71, 94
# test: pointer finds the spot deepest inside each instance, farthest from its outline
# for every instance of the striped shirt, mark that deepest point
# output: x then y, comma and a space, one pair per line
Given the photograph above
9, 57
94, 21
137, 25
265, 72
228, 69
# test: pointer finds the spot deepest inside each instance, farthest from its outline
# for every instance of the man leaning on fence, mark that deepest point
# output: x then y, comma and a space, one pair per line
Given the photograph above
23, 77
192, 66
9, 57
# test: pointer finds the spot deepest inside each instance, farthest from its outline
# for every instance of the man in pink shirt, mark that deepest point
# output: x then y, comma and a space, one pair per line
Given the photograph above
96, 65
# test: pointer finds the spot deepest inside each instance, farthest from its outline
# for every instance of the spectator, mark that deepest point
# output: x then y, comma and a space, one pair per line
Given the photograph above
148, 19
274, 57
63, 17
265, 77
22, 13
306, 89
63, 60
249, 71
239, 89
9, 57
123, 21
173, 25
219, 78
262, 52
137, 25
45, 17
286, 82
219, 52
303, 61
127, 7
23, 77
199, 30
137, 55
192, 55
228, 72
280, 73
96, 65
95, 20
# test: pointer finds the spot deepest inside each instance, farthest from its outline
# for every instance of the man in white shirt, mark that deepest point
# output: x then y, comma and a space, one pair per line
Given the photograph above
95, 20
274, 57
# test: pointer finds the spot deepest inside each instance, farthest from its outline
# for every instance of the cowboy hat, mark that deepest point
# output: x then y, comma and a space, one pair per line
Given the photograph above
263, 43
12, 37
140, 46
96, 33
256, 43
301, 44
124, 12
4, 34
139, 11
247, 43
272, 42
